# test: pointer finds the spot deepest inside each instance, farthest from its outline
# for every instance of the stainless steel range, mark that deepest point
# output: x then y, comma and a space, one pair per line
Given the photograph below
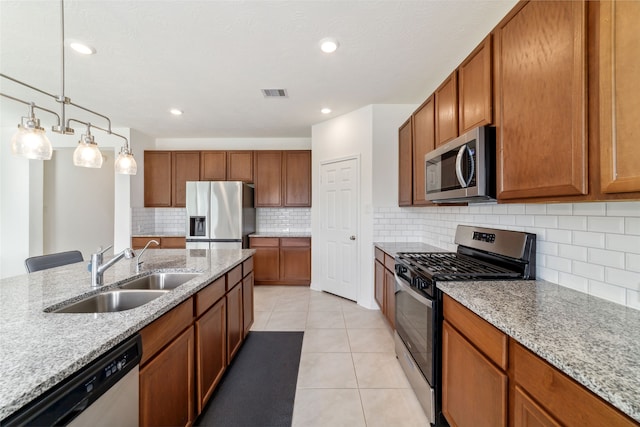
482, 254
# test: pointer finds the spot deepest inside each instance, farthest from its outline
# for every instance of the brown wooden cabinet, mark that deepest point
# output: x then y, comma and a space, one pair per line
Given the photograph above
247, 302
489, 379
167, 242
385, 285
268, 178
446, 109
475, 88
296, 169
211, 350
542, 101
619, 62
157, 178
213, 165
423, 122
186, 167
240, 166
405, 164
282, 261
235, 317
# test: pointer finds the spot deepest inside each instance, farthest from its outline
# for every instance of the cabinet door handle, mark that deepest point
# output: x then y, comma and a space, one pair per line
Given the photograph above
352, 238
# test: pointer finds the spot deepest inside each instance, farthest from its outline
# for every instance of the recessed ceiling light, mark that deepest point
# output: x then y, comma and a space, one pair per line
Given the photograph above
328, 45
176, 112
325, 110
82, 48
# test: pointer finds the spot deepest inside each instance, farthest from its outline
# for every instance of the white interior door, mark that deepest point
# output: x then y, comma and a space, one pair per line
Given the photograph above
339, 198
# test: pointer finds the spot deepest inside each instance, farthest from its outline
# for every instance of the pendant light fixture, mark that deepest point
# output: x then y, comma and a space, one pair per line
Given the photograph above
30, 140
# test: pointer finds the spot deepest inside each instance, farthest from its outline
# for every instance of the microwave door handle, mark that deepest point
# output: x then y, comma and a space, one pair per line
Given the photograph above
464, 182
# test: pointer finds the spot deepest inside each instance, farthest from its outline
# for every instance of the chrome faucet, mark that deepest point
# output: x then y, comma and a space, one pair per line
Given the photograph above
98, 268
139, 264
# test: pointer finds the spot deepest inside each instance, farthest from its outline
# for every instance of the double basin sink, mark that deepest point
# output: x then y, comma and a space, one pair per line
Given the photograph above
130, 294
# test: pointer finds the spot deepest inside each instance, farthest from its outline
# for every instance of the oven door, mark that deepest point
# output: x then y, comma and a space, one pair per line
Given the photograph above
416, 324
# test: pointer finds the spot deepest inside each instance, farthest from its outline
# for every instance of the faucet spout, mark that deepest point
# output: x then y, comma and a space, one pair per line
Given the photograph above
139, 263
98, 268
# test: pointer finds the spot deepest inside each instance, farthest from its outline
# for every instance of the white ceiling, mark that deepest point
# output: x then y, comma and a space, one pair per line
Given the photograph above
212, 58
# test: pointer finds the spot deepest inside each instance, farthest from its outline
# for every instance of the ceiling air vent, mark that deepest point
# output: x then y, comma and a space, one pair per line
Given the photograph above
274, 93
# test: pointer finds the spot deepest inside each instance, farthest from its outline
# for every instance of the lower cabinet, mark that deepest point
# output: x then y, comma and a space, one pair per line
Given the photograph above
282, 261
489, 379
164, 242
187, 350
385, 285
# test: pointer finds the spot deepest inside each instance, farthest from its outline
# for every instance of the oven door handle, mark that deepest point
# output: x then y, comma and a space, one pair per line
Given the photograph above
420, 298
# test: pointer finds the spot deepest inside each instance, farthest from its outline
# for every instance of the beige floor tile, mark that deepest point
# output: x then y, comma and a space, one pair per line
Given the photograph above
326, 370
286, 321
292, 304
327, 408
324, 304
325, 341
383, 408
379, 370
371, 340
369, 319
264, 302
260, 319
325, 320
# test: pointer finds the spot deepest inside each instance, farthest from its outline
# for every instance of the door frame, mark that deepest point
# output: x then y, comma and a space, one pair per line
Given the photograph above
357, 274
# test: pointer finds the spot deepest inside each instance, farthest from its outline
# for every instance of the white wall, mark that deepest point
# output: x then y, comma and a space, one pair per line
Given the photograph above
367, 133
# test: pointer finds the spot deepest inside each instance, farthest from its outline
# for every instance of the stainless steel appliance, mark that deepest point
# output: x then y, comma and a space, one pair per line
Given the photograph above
463, 170
482, 254
220, 214
103, 393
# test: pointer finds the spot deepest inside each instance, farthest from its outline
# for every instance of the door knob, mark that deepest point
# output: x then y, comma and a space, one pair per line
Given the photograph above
352, 238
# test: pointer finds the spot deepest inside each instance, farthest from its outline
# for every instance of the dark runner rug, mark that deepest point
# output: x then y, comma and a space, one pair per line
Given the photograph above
259, 386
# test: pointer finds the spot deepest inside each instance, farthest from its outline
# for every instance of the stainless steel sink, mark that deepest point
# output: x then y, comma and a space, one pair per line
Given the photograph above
159, 281
112, 301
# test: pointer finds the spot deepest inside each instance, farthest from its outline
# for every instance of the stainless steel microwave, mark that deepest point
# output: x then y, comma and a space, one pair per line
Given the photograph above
463, 170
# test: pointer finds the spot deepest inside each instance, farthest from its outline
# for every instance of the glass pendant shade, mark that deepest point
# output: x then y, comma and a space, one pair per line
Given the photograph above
30, 141
87, 153
125, 163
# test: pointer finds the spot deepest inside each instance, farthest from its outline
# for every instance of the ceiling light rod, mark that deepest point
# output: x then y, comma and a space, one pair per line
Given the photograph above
91, 125
32, 105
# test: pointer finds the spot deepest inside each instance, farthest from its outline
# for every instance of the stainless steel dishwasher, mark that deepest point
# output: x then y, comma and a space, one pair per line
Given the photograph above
103, 393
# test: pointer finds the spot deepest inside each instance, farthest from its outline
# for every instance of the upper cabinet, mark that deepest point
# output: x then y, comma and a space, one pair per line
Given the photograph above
542, 101
157, 178
423, 142
213, 165
405, 169
282, 178
240, 166
475, 88
186, 167
226, 166
447, 110
619, 65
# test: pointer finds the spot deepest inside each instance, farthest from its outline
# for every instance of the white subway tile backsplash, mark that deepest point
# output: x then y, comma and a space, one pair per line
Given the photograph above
590, 271
559, 264
560, 209
559, 236
577, 253
546, 221
591, 209
536, 209
585, 238
572, 223
632, 226
623, 243
574, 282
628, 279
632, 262
623, 209
605, 224
609, 292
607, 258
633, 299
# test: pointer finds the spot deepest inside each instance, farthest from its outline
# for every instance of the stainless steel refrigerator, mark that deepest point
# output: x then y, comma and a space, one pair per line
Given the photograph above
220, 214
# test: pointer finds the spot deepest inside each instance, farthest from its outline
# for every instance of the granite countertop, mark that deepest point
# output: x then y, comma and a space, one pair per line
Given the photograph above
281, 234
39, 349
594, 341
392, 248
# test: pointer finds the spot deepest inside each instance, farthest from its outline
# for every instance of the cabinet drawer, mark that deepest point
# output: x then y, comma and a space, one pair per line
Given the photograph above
159, 333
234, 276
173, 243
295, 241
566, 400
209, 295
484, 336
259, 242
140, 242
379, 255
247, 267
389, 262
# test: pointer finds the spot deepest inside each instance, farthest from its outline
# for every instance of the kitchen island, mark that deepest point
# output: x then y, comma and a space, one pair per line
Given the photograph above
38, 349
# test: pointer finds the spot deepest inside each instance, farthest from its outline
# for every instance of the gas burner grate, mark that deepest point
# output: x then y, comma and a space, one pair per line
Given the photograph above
452, 266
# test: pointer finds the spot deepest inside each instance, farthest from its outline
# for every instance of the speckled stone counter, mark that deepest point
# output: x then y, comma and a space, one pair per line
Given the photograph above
39, 349
392, 248
594, 341
280, 234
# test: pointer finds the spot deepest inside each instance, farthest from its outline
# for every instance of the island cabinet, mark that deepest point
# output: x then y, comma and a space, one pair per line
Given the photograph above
281, 261
541, 88
166, 174
405, 164
489, 379
187, 350
282, 178
619, 64
385, 285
